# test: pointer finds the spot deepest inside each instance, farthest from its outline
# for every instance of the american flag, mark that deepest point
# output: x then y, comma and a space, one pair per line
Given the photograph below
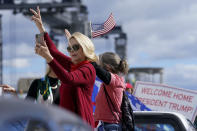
100, 29
136, 104
96, 89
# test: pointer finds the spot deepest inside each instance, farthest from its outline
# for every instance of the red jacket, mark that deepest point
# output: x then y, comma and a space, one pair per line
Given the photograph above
76, 83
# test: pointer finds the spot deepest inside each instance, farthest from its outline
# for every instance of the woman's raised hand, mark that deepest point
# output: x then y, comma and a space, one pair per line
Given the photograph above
42, 50
67, 34
37, 19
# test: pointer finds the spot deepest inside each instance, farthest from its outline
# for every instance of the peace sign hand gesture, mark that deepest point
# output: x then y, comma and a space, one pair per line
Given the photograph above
37, 19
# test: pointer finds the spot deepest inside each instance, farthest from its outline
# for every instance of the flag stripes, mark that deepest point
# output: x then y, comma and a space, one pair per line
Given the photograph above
104, 28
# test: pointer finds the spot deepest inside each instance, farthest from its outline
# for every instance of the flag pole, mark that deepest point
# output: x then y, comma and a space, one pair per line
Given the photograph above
90, 30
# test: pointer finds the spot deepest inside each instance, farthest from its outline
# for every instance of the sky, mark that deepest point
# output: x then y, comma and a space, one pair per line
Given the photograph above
161, 33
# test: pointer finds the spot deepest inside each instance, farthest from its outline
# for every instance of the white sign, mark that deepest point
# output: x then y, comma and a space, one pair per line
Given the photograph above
166, 98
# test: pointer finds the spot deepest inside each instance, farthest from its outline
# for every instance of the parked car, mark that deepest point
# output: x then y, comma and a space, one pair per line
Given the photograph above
19, 115
161, 121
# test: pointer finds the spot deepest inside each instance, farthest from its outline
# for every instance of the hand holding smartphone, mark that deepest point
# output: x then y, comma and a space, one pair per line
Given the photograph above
40, 38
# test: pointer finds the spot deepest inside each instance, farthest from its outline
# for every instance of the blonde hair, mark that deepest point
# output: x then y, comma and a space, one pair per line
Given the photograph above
86, 44
112, 60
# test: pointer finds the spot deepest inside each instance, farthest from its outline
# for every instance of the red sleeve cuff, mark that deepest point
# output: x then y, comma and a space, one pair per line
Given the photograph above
52, 63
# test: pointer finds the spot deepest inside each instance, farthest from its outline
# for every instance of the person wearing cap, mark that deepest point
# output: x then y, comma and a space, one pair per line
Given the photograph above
129, 88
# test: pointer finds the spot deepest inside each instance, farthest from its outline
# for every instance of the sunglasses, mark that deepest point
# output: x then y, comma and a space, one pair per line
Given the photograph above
73, 48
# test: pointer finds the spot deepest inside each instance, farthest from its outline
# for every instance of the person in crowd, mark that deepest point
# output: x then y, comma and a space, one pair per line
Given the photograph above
21, 94
76, 73
129, 88
43, 90
46, 89
110, 70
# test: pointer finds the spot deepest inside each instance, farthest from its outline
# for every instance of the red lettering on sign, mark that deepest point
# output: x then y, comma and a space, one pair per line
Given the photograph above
157, 92
181, 108
183, 97
147, 91
153, 102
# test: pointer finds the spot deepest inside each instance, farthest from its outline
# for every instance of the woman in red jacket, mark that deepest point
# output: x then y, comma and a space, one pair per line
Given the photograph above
76, 73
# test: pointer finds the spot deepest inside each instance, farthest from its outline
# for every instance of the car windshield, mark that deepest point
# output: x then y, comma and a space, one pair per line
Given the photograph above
154, 127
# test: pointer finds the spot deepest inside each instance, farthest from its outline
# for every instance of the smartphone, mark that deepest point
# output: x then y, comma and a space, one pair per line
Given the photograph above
39, 38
